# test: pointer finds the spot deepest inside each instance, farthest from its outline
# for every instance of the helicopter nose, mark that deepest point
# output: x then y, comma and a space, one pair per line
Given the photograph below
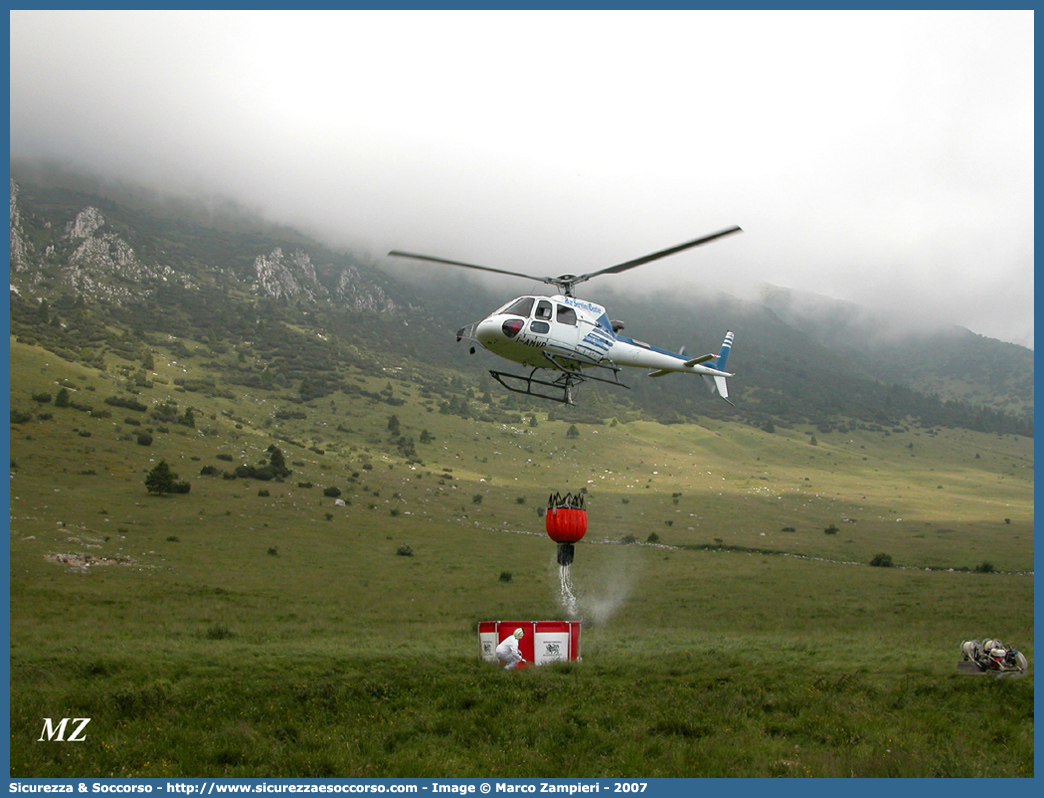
496, 329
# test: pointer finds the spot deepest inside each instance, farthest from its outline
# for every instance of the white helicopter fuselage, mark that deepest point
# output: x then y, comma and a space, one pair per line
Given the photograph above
566, 333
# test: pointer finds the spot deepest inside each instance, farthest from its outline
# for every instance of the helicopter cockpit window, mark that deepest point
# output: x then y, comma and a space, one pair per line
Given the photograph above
566, 315
544, 310
520, 307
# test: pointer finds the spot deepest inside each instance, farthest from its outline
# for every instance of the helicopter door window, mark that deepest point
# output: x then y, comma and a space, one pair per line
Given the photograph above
544, 310
566, 315
520, 307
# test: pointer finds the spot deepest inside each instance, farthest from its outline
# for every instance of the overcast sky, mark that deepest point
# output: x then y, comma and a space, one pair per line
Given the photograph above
880, 157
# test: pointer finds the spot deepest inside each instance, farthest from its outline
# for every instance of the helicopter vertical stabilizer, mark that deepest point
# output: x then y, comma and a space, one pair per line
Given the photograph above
718, 383
723, 355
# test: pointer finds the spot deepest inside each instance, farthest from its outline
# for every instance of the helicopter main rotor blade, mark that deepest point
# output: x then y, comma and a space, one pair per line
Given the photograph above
622, 267
396, 253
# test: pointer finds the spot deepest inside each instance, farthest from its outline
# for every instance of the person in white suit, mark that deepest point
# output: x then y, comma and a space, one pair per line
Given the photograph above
507, 651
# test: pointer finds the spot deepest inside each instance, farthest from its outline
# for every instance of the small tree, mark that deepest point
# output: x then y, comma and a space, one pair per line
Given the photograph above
277, 462
161, 479
572, 432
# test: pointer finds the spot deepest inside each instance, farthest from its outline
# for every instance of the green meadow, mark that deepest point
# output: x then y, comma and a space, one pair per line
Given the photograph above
733, 624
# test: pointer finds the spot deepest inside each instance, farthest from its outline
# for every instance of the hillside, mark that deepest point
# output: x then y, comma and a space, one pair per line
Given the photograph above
321, 622
953, 362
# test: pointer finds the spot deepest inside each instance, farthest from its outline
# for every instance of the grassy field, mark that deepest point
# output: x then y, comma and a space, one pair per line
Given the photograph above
726, 632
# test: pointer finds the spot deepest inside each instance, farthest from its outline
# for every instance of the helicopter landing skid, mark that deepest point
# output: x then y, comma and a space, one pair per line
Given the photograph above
560, 387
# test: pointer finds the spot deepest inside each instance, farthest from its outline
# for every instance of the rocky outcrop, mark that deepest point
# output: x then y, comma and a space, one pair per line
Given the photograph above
103, 265
21, 248
353, 293
90, 258
287, 277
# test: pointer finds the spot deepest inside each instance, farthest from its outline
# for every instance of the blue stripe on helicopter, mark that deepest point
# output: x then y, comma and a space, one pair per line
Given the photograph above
597, 341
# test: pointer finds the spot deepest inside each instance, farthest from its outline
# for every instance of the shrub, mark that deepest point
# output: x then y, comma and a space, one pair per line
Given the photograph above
144, 439
264, 473
127, 402
332, 491
985, 567
505, 576
160, 479
831, 530
404, 551
882, 560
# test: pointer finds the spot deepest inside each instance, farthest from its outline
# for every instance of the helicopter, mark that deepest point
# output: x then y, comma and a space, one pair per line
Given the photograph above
574, 340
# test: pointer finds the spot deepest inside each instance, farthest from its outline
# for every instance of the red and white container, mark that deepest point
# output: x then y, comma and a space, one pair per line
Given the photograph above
543, 641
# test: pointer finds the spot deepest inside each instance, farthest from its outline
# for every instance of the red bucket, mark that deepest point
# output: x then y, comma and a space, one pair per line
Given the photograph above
565, 524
